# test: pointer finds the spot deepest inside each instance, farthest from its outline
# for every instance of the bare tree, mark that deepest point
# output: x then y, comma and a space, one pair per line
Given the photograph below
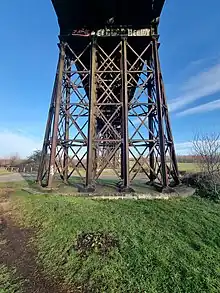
207, 155
4, 162
207, 152
14, 159
31, 163
35, 157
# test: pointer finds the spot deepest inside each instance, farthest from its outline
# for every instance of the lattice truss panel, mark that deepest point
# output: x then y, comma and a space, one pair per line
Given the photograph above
87, 123
149, 135
108, 109
70, 147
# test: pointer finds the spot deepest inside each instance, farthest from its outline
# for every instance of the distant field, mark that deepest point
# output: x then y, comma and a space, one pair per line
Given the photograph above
188, 167
3, 171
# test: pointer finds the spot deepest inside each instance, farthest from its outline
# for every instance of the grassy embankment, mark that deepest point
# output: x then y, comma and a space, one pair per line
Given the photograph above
161, 246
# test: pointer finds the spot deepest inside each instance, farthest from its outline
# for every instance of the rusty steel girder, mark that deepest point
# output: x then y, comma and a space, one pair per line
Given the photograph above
109, 110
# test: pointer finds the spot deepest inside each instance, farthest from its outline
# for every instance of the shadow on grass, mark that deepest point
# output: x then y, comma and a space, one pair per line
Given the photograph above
76, 185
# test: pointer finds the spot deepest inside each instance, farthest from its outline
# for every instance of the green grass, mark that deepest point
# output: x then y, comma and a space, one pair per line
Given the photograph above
8, 283
17, 184
188, 167
164, 246
3, 171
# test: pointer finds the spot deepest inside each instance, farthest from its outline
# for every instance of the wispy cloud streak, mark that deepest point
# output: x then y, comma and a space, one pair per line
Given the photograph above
183, 148
211, 106
201, 85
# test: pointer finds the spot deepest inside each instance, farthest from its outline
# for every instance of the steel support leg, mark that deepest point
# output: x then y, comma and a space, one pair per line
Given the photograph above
151, 126
122, 146
125, 141
175, 170
42, 166
58, 97
160, 114
91, 126
67, 123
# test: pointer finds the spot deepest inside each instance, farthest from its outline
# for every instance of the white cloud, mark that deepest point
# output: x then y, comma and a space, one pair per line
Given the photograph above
12, 142
211, 106
196, 65
201, 85
183, 148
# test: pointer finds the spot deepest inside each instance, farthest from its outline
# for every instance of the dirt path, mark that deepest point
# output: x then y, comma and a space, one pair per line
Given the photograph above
16, 251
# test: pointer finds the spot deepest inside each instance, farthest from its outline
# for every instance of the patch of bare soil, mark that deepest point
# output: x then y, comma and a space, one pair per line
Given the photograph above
16, 251
100, 243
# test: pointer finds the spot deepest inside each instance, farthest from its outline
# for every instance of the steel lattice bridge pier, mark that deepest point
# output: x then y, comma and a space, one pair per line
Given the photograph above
108, 108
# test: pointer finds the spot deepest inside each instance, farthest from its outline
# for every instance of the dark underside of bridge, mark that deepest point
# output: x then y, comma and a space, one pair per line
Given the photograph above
95, 14
98, 14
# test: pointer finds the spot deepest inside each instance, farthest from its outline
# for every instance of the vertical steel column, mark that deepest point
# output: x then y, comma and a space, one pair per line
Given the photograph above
91, 124
122, 133
48, 127
58, 97
125, 141
151, 123
67, 122
159, 103
170, 136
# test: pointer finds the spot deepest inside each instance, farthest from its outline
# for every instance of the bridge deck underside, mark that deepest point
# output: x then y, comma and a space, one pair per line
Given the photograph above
94, 14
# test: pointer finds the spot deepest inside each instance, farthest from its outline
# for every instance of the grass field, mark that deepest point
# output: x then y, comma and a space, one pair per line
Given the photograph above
188, 167
3, 171
161, 246
8, 282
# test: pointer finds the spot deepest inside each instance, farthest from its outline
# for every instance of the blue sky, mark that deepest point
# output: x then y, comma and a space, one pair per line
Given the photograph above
190, 59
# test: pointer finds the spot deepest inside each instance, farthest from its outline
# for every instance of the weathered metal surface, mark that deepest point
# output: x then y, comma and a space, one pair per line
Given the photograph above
91, 150
125, 131
57, 102
163, 165
109, 111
